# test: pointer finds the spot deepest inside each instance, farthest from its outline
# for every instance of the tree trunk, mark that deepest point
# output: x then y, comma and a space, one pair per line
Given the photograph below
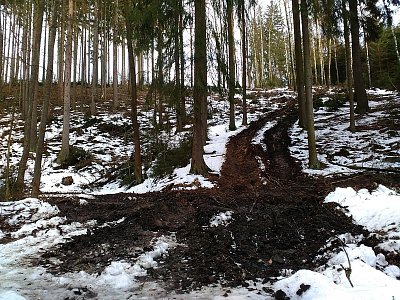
38, 18
7, 179
349, 71
182, 62
312, 151
46, 101
290, 47
123, 72
135, 123
160, 77
61, 43
299, 63
64, 153
14, 51
369, 83
244, 63
198, 166
395, 43
336, 62
328, 77
75, 64
34, 86
95, 68
115, 59
1, 55
231, 76
178, 90
360, 94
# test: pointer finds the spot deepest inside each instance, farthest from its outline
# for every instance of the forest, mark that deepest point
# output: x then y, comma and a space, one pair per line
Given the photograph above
191, 149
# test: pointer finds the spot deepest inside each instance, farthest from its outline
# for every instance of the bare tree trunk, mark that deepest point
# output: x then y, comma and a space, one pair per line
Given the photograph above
1, 55
231, 54
64, 153
299, 63
8, 193
312, 150
395, 44
17, 55
349, 71
290, 47
336, 62
135, 123
160, 77
46, 100
29, 121
244, 64
178, 89
37, 37
198, 166
182, 62
26, 58
75, 63
360, 94
8, 57
95, 75
261, 74
191, 56
61, 42
83, 69
329, 80
44, 48
14, 51
115, 59
369, 84
123, 73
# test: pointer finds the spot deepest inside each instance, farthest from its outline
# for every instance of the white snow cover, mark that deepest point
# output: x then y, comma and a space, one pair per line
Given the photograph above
371, 275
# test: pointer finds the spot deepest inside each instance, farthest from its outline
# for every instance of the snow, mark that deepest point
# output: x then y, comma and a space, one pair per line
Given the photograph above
341, 151
37, 227
222, 218
362, 206
371, 275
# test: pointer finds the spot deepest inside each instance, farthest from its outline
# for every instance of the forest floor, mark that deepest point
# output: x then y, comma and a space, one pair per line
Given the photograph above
281, 201
263, 217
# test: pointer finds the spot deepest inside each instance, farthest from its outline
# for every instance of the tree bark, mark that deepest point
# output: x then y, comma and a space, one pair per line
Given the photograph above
299, 63
46, 101
115, 59
95, 68
231, 54
38, 13
198, 166
349, 71
34, 86
135, 123
178, 90
312, 151
244, 63
64, 153
360, 94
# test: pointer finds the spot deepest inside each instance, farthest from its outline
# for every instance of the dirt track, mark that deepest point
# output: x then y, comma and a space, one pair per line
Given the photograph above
279, 221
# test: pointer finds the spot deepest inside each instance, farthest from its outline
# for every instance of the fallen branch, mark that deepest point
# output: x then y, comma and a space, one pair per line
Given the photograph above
365, 168
347, 271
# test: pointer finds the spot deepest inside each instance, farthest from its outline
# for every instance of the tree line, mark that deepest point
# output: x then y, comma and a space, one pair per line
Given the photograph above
170, 48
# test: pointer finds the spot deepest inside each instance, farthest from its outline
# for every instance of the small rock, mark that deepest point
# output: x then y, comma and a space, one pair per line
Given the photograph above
67, 180
281, 295
302, 289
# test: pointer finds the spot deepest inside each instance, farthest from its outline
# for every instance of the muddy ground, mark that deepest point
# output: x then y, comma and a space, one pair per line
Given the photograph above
279, 221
